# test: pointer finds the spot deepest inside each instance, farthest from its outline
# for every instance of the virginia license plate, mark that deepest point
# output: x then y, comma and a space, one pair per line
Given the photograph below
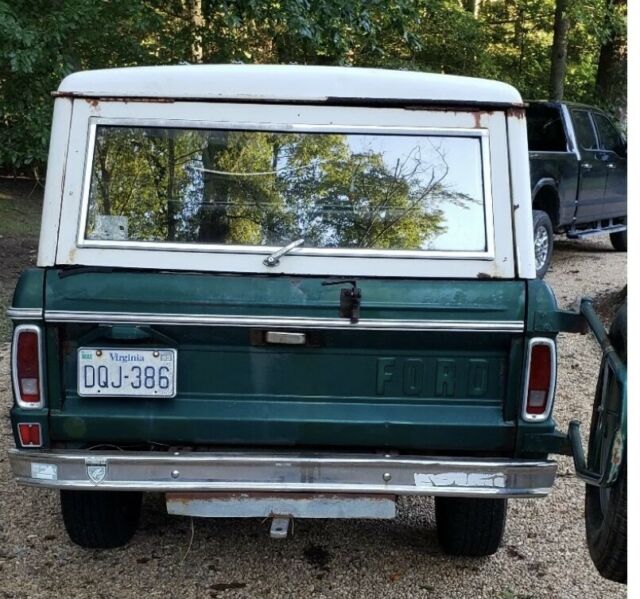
112, 372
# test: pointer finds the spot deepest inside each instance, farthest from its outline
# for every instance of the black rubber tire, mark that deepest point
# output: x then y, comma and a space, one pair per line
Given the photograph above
619, 241
541, 220
470, 527
100, 519
607, 524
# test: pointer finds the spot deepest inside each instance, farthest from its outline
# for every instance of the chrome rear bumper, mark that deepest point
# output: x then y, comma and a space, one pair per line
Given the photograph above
282, 472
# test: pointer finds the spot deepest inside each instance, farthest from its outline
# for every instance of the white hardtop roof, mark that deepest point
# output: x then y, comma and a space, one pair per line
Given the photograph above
283, 83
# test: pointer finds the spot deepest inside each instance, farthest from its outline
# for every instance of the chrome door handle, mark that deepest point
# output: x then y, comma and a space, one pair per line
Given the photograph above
587, 166
611, 165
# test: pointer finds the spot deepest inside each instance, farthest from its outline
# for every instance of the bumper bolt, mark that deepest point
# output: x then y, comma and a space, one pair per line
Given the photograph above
175, 473
386, 477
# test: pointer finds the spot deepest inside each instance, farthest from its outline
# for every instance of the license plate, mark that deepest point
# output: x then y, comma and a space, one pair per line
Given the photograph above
112, 372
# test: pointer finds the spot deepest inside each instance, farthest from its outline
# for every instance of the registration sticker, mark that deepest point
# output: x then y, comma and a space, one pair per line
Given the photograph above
117, 372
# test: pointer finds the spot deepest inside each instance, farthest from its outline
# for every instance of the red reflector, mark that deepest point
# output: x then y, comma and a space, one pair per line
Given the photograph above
29, 434
27, 363
540, 378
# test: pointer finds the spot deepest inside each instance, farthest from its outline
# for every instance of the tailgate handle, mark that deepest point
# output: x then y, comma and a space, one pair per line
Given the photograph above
282, 338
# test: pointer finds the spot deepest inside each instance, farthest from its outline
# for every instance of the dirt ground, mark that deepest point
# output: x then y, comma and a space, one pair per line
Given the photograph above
544, 552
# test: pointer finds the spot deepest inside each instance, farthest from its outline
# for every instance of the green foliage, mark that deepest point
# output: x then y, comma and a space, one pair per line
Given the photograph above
41, 41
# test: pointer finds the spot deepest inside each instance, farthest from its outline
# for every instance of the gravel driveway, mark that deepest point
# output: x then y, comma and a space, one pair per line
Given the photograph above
544, 552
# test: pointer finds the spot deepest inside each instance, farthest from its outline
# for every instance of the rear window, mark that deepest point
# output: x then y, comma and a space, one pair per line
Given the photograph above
545, 130
267, 188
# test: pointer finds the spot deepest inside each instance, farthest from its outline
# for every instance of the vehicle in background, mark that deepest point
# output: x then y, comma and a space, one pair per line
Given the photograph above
578, 163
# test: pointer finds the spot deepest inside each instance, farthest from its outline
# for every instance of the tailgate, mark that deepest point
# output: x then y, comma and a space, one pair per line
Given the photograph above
430, 365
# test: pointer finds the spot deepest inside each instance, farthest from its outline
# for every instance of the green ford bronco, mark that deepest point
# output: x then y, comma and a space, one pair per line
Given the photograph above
297, 292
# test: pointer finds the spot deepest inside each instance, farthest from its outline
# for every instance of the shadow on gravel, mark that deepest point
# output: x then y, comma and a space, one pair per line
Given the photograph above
583, 246
319, 540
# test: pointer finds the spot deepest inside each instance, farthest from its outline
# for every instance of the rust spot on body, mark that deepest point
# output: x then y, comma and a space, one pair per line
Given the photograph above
517, 112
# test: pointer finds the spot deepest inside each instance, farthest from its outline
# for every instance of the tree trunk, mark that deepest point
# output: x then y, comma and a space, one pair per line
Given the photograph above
197, 21
612, 62
214, 224
472, 6
171, 200
561, 26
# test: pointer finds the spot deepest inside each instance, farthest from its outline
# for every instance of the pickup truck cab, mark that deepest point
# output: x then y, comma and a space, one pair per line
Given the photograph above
281, 291
578, 162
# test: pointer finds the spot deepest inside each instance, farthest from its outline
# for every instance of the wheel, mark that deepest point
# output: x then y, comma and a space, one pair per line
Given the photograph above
470, 527
606, 508
100, 519
619, 240
542, 242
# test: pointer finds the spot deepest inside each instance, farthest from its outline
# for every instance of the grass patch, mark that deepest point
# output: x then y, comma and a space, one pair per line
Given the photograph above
20, 212
20, 208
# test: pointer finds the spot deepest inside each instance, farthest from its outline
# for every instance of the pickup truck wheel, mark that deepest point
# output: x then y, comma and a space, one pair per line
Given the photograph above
470, 527
100, 519
606, 508
542, 242
619, 241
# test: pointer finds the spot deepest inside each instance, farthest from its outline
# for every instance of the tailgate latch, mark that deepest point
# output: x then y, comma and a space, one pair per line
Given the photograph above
350, 299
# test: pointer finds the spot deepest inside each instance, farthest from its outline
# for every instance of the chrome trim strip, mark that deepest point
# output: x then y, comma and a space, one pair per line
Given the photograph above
595, 232
260, 251
567, 124
285, 472
24, 313
481, 134
290, 322
14, 367
552, 388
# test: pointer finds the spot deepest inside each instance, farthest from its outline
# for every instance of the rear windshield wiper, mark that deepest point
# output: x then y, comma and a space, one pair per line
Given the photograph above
274, 259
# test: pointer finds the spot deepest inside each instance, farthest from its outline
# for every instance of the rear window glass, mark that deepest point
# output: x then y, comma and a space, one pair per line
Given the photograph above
265, 188
545, 130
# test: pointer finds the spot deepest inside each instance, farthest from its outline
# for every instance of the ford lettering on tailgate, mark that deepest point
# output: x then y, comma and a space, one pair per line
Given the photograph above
439, 377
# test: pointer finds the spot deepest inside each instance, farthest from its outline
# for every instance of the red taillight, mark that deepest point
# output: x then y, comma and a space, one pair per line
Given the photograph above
26, 366
30, 434
541, 379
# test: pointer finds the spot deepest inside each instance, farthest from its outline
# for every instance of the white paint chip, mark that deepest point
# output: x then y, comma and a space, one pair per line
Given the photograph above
460, 479
44, 471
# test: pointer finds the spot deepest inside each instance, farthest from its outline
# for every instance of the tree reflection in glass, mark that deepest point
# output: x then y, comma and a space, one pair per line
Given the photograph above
267, 188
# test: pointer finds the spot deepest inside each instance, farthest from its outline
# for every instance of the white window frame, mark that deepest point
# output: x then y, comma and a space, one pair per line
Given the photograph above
489, 127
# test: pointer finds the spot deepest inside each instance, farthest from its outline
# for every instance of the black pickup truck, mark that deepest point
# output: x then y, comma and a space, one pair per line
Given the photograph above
578, 162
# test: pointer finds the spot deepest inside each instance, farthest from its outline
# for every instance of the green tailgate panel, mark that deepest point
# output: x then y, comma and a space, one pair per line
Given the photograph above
420, 390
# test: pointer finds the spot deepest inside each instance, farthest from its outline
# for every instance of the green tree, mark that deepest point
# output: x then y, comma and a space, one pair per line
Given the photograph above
41, 41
